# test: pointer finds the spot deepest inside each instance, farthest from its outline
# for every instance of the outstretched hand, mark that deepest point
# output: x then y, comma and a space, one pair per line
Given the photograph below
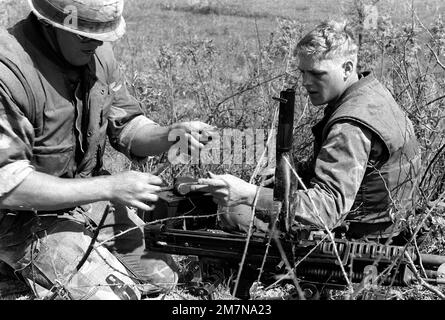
198, 132
189, 137
228, 190
135, 189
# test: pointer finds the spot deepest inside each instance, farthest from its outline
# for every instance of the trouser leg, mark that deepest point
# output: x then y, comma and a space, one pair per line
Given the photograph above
45, 251
124, 236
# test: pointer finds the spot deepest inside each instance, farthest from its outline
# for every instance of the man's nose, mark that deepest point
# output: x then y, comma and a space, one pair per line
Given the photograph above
92, 43
96, 43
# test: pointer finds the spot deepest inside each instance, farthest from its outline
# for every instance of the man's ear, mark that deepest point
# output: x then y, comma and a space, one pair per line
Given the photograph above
348, 69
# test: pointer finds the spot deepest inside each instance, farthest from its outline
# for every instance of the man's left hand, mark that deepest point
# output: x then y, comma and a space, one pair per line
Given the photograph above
228, 190
197, 133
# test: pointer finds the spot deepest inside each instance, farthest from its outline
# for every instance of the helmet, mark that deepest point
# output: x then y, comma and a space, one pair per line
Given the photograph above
96, 19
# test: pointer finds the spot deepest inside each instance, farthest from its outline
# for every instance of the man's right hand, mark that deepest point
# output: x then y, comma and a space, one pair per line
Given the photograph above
134, 189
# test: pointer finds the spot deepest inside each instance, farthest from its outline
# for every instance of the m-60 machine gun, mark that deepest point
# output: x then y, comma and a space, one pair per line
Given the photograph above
317, 265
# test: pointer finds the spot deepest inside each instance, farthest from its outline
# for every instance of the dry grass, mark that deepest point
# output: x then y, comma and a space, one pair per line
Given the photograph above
183, 59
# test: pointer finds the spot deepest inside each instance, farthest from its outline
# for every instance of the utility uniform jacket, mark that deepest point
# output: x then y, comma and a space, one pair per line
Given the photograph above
57, 117
365, 165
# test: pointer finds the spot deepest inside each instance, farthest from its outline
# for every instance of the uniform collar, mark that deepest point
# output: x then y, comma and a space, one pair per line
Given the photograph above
363, 80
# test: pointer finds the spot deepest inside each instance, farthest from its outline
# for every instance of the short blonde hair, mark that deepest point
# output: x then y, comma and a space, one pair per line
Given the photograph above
330, 39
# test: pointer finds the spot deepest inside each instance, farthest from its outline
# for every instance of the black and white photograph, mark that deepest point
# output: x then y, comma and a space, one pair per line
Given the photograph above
222, 158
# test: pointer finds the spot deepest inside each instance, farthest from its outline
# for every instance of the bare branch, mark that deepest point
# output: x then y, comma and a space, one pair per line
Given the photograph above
440, 63
331, 236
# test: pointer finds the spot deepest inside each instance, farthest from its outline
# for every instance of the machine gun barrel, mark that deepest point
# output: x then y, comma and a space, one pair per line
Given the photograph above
431, 259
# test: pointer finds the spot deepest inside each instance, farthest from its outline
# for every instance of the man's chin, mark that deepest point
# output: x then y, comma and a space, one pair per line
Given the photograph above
317, 102
80, 60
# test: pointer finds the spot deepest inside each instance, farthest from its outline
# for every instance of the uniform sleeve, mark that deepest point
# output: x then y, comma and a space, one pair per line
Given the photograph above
338, 172
16, 140
126, 115
305, 170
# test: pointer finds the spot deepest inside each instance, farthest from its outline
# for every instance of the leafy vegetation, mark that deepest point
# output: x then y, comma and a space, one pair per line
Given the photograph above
222, 61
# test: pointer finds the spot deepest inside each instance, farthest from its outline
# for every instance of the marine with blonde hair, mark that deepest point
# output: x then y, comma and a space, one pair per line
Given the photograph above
361, 180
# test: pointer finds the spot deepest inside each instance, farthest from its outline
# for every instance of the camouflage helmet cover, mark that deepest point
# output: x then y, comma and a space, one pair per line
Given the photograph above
96, 19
